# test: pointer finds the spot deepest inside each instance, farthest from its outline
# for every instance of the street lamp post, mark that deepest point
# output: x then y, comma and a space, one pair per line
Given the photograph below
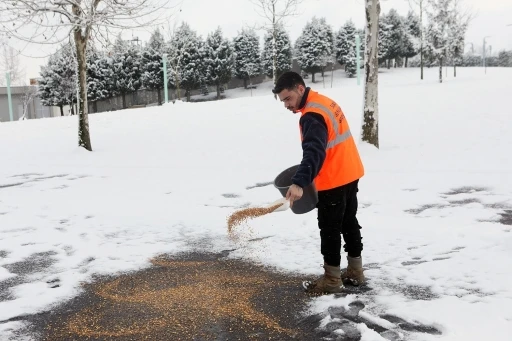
166, 94
485, 66
9, 97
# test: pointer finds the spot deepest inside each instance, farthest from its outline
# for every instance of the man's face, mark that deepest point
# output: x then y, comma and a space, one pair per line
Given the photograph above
292, 98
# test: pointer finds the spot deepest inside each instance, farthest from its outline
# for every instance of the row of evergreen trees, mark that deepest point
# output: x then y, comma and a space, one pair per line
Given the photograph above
194, 63
503, 59
126, 67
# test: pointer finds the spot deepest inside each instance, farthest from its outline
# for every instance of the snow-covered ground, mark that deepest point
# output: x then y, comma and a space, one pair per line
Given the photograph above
165, 179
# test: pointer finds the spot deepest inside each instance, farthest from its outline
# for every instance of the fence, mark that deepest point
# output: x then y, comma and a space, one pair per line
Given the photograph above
141, 98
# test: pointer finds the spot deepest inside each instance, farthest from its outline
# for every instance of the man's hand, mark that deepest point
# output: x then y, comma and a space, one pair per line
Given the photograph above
294, 193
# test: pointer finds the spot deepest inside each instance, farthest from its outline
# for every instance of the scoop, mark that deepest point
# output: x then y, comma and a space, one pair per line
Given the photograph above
285, 204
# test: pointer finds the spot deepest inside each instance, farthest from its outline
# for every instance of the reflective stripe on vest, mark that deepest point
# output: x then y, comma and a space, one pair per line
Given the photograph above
339, 137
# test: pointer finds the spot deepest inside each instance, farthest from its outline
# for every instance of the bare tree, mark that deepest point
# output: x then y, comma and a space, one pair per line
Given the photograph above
52, 21
462, 17
441, 16
10, 62
29, 92
370, 129
420, 3
275, 12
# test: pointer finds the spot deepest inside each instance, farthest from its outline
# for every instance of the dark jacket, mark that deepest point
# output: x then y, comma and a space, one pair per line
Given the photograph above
314, 145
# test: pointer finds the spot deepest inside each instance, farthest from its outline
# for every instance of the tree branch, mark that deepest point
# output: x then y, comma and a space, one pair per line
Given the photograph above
82, 14
279, 8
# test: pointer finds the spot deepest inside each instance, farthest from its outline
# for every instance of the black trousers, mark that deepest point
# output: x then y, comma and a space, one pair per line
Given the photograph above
337, 209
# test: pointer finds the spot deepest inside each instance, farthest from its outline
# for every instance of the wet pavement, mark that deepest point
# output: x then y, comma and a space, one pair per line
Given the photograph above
203, 296
193, 297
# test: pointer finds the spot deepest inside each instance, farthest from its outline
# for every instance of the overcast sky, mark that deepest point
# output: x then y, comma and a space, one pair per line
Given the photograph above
492, 18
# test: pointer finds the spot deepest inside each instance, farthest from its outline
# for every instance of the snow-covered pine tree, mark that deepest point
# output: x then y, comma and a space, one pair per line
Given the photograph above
58, 82
100, 77
283, 55
505, 58
219, 60
152, 65
341, 45
127, 68
327, 36
349, 47
94, 76
395, 35
49, 90
456, 37
411, 39
247, 60
186, 56
385, 30
312, 49
440, 18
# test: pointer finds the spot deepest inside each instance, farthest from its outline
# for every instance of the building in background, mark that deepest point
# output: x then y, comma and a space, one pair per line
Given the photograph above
24, 100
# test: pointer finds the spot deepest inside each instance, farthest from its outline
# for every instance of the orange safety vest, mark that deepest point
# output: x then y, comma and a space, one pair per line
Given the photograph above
342, 163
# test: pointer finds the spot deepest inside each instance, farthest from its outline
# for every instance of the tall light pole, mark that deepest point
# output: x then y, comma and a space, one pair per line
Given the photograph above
485, 67
9, 97
166, 93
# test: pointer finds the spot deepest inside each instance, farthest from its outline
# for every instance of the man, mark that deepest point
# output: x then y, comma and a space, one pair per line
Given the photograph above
331, 161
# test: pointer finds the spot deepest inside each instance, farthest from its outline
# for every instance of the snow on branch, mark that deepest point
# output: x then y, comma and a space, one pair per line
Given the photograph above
275, 10
51, 21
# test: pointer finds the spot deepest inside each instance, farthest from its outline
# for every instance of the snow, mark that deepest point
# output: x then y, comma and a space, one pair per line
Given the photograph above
164, 180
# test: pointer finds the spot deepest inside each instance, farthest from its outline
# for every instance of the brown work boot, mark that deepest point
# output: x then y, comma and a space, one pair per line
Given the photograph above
329, 283
354, 274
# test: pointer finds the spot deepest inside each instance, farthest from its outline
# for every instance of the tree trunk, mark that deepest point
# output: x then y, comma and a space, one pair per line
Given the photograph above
84, 139
389, 64
406, 61
440, 70
245, 83
454, 70
124, 100
312, 77
61, 110
160, 97
370, 129
72, 106
188, 95
177, 87
218, 91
